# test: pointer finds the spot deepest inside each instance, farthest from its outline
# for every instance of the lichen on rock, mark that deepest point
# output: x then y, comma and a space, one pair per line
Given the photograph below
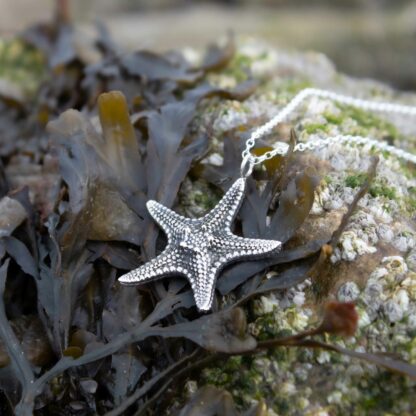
373, 264
182, 147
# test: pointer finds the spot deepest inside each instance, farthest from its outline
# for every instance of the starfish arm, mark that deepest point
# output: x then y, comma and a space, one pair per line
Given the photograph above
229, 247
164, 264
223, 214
202, 276
199, 248
167, 219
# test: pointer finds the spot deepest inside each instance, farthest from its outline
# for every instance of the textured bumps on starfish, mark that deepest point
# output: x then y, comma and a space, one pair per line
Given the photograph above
199, 248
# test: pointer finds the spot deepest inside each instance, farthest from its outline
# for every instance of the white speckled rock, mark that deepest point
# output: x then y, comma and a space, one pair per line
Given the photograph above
375, 261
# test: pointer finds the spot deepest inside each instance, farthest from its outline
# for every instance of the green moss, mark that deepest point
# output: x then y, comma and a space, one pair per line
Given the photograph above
284, 355
205, 200
354, 181
316, 127
282, 405
411, 204
224, 375
365, 122
203, 196
409, 207
267, 326
327, 180
408, 169
293, 86
21, 64
238, 68
334, 119
382, 393
236, 375
379, 393
377, 188
368, 120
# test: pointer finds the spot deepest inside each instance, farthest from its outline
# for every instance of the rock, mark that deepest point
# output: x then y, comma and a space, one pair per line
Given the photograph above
373, 265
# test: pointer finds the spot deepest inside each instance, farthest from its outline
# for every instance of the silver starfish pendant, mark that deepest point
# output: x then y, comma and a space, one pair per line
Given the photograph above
199, 248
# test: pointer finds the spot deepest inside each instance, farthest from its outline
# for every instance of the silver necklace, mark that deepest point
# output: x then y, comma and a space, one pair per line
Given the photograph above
200, 248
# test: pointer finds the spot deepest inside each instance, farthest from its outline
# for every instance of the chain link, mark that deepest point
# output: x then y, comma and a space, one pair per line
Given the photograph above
359, 140
281, 148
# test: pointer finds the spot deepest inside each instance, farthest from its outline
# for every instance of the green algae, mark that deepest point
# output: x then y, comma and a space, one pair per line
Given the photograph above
237, 375
333, 118
377, 189
205, 201
410, 200
239, 67
327, 180
265, 377
293, 86
364, 391
268, 375
293, 385
368, 121
198, 197
354, 181
411, 204
22, 65
314, 128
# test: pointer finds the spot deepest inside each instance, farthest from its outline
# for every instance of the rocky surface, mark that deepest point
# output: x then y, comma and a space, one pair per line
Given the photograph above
374, 264
365, 38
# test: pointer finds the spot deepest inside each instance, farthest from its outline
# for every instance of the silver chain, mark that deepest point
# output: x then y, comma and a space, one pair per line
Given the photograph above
281, 148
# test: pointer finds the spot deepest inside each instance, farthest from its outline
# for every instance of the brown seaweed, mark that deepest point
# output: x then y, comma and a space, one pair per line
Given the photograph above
119, 132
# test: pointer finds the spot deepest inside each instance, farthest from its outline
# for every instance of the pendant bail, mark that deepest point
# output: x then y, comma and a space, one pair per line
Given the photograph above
247, 166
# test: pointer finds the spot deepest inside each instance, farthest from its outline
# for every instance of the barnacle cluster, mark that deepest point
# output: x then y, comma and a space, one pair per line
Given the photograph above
378, 248
76, 219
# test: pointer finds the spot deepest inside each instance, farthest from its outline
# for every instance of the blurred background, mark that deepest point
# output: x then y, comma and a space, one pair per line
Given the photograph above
365, 38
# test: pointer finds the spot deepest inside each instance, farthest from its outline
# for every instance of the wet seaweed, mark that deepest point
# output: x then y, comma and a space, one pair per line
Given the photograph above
105, 131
